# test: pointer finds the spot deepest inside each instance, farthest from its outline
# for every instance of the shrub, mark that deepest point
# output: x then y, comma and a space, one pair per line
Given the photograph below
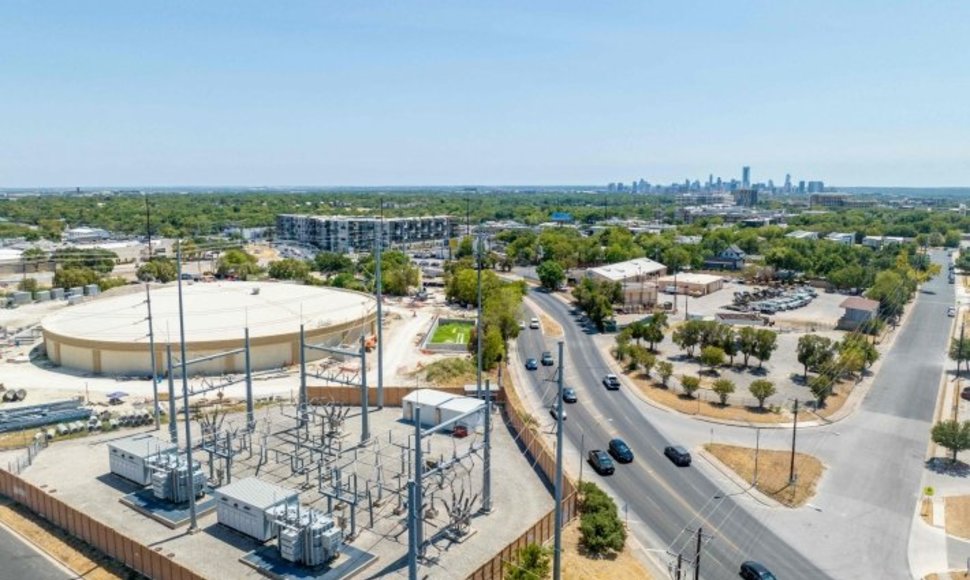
600, 527
690, 384
531, 561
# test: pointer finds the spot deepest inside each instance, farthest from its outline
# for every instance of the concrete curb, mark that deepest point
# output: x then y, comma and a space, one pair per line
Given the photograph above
745, 487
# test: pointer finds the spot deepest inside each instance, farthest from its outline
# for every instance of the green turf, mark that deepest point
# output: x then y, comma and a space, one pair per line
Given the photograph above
452, 333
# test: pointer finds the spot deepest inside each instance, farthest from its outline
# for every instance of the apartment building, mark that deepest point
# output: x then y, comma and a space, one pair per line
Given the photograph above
344, 234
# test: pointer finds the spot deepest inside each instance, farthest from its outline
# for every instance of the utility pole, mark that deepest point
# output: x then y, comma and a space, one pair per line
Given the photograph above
697, 556
193, 526
412, 533
794, 433
478, 324
173, 433
250, 417
379, 287
487, 464
557, 553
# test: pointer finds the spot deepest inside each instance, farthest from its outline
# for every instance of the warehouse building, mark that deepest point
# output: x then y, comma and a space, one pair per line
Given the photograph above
692, 284
130, 457
249, 506
343, 234
638, 270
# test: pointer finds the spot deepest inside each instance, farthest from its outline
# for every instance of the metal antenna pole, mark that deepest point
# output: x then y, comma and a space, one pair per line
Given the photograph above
478, 324
487, 467
250, 418
193, 526
380, 312
302, 397
364, 399
794, 433
412, 534
151, 350
419, 484
173, 432
557, 552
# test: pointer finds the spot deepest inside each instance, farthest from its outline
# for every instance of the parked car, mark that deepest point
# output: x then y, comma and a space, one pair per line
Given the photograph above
601, 462
611, 382
620, 450
552, 411
677, 454
951, 312
534, 323
751, 570
965, 394
531, 364
569, 395
547, 359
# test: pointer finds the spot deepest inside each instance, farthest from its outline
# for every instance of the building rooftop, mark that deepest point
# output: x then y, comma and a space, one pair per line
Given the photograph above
256, 492
692, 278
860, 303
142, 445
628, 269
431, 397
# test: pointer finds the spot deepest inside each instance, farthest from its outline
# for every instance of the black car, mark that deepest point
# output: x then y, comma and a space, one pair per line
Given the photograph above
755, 571
620, 450
678, 455
611, 382
547, 359
569, 395
531, 364
601, 462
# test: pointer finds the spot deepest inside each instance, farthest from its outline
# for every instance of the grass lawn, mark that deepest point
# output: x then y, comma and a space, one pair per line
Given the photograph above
773, 470
452, 333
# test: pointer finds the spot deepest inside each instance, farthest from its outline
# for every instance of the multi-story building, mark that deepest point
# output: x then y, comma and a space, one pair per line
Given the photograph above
828, 200
348, 234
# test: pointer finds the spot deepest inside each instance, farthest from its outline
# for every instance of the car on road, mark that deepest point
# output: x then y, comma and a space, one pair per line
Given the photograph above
965, 394
611, 382
951, 312
547, 359
601, 462
620, 450
751, 570
552, 411
521, 325
531, 364
677, 454
569, 395
534, 323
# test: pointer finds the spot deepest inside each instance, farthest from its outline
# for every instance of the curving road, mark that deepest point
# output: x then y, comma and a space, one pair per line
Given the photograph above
670, 502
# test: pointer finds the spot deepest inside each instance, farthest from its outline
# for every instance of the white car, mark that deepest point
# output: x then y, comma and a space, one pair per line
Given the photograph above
951, 312
534, 323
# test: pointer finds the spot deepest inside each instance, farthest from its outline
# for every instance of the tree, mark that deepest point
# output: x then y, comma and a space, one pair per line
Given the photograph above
690, 384
665, 369
157, 270
466, 248
723, 388
761, 389
532, 561
712, 356
687, 336
74, 277
960, 351
332, 262
821, 386
953, 436
814, 351
493, 347
237, 263
653, 331
767, 342
551, 275
747, 342
289, 269
28, 285
857, 342
643, 358
728, 341
101, 261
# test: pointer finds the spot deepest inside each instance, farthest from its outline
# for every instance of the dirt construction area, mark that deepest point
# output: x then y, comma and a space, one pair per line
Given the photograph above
77, 471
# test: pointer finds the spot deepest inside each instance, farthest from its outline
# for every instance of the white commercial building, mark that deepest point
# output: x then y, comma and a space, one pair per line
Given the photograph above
847, 239
249, 506
129, 457
638, 270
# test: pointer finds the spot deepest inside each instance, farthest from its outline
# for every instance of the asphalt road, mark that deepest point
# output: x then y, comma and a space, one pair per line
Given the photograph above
19, 561
672, 502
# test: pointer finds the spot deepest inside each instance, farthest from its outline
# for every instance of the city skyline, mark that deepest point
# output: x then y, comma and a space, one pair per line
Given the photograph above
431, 93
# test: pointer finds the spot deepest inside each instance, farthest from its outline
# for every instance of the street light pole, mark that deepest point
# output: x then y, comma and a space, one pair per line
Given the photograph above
557, 553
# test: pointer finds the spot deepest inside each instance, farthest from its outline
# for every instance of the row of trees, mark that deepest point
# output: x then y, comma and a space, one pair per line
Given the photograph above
596, 298
718, 341
833, 360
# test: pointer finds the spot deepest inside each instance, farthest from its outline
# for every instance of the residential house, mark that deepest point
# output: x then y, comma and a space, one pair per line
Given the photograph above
731, 258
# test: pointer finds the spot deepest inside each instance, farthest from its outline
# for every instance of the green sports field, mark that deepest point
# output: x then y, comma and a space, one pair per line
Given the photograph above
452, 333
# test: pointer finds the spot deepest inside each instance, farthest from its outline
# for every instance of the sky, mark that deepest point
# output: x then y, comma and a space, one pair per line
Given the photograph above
411, 92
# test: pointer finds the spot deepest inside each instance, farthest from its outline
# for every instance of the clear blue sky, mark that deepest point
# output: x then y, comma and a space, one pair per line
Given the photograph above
865, 92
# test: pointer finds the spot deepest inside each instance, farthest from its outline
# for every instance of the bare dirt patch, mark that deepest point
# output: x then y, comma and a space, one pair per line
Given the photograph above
773, 471
957, 509
70, 552
577, 566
